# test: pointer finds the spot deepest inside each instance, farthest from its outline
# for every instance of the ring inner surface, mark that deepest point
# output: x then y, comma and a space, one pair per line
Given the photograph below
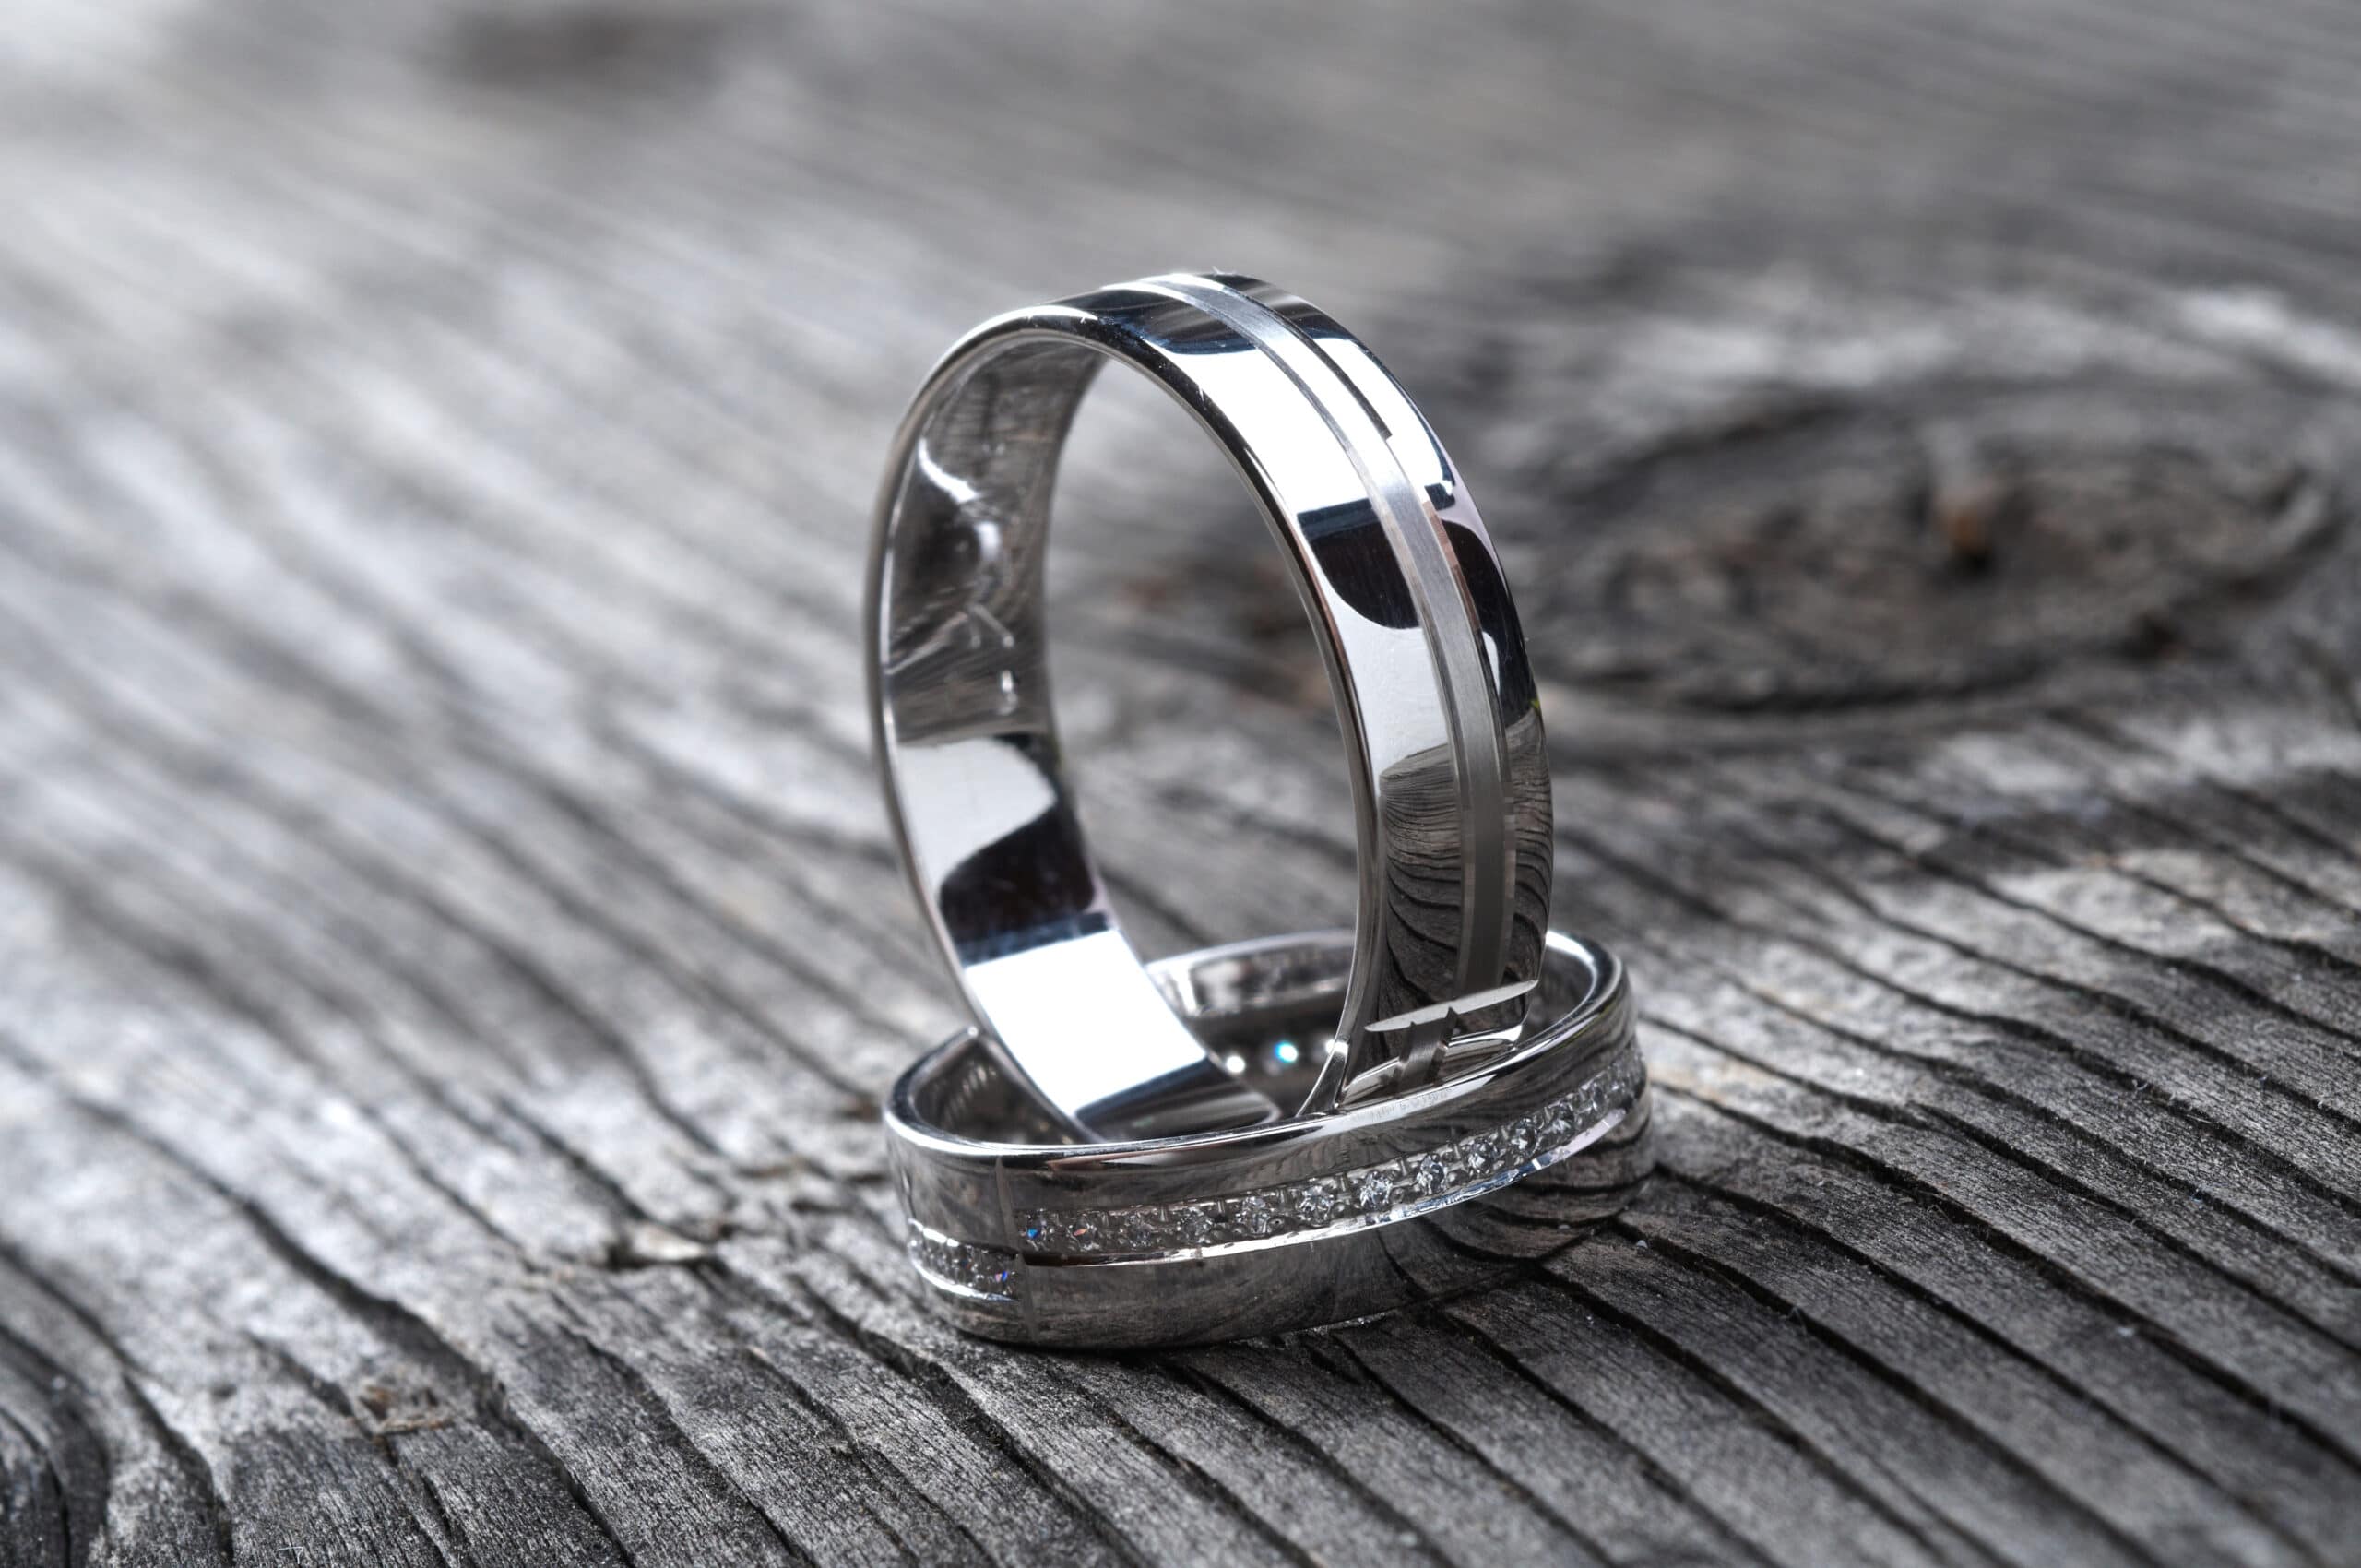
988, 820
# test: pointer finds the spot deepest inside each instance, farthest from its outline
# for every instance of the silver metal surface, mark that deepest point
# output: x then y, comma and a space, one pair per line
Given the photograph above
1023, 1235
1427, 662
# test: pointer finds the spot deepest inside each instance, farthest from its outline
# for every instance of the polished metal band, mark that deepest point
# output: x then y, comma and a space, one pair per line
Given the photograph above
1020, 1235
1425, 658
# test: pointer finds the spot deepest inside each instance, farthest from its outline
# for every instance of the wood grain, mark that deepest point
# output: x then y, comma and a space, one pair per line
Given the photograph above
450, 951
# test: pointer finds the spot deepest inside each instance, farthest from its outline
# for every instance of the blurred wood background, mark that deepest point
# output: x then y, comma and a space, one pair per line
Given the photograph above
449, 948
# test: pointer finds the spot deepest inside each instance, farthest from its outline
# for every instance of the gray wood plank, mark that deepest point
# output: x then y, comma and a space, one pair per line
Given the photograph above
450, 951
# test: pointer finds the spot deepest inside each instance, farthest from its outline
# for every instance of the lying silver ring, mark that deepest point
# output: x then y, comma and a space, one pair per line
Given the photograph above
1450, 786
1021, 1236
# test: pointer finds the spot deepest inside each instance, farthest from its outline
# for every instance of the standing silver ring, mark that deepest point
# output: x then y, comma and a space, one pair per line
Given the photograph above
1020, 1236
1425, 656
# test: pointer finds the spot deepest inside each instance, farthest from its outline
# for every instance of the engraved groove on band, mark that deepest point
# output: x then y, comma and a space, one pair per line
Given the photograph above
1453, 639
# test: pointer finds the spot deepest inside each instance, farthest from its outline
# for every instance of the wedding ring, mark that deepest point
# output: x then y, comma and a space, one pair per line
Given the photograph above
1425, 658
1283, 1132
1019, 1234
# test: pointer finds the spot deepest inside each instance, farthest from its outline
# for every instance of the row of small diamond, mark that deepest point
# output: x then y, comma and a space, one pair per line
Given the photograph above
963, 1265
1320, 1202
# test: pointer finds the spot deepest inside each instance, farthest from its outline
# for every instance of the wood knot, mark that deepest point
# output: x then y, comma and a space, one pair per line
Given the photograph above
1847, 555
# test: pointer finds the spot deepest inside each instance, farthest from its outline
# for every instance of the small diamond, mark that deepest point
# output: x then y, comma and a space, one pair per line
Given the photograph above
1521, 1138
1479, 1153
1255, 1215
1137, 1229
1317, 1200
1557, 1123
1086, 1231
1195, 1223
1428, 1175
987, 1271
1034, 1227
1373, 1188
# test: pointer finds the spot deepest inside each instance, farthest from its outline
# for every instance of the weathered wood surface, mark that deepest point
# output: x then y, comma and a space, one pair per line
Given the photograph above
450, 949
